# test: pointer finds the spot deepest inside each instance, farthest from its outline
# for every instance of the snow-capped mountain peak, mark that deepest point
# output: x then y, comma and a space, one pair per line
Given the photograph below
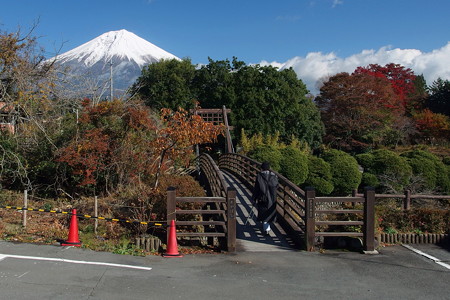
127, 52
116, 44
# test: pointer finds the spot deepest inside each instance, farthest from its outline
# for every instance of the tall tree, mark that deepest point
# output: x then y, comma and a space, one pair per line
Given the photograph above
439, 99
26, 89
433, 126
213, 83
269, 101
419, 96
356, 109
124, 143
401, 79
262, 99
167, 84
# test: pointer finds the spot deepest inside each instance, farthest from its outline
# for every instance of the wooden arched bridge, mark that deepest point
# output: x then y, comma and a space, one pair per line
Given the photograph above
302, 218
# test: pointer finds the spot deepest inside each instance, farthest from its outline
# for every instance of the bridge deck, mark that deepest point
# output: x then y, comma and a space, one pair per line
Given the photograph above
248, 230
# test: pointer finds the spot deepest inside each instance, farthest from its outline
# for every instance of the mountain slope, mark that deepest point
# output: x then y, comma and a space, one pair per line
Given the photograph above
127, 52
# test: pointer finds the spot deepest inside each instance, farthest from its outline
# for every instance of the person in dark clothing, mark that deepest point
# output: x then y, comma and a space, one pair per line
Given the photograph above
264, 195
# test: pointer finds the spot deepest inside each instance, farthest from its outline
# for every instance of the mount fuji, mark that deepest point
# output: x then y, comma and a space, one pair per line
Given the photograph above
125, 51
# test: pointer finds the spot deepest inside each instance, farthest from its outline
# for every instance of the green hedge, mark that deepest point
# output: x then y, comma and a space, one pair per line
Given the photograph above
345, 171
319, 176
386, 170
267, 153
430, 168
294, 165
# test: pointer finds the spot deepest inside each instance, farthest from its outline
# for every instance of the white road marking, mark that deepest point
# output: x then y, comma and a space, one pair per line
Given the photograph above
436, 260
3, 256
23, 274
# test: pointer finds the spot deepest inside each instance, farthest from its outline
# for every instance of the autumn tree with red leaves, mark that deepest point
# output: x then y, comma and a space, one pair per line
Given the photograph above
433, 127
181, 131
356, 110
122, 143
401, 79
111, 146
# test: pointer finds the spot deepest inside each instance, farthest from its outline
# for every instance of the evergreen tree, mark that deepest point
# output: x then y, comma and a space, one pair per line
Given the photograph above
166, 84
439, 99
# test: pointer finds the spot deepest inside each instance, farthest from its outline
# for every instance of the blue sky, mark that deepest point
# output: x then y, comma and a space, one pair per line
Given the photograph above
255, 31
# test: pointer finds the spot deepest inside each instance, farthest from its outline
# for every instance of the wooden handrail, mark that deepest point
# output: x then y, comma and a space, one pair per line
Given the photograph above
297, 208
212, 176
222, 200
406, 196
290, 198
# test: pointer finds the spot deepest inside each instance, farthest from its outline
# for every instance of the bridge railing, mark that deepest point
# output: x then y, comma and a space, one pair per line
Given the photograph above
218, 211
290, 198
301, 212
211, 176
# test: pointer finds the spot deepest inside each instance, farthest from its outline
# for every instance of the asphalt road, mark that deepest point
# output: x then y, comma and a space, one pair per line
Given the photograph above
395, 273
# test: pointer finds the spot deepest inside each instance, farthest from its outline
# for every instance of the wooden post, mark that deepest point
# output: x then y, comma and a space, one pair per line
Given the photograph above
310, 218
95, 213
231, 219
171, 206
25, 205
227, 128
407, 200
285, 199
354, 194
369, 219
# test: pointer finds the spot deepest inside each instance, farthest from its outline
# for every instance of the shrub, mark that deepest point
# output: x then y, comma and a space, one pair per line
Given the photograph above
319, 175
345, 171
430, 168
365, 160
414, 220
391, 171
446, 160
267, 153
294, 165
185, 186
369, 179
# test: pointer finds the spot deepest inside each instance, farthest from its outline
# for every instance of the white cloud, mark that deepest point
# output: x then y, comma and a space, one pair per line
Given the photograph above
337, 2
317, 65
288, 18
265, 63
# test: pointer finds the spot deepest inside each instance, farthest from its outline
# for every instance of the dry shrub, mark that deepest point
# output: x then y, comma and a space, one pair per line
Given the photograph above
186, 186
418, 220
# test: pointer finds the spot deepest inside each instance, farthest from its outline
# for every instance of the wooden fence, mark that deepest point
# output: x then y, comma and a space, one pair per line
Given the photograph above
406, 197
316, 208
293, 203
220, 221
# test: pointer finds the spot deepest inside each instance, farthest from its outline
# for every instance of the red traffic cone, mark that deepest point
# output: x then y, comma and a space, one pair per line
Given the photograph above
73, 239
172, 245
